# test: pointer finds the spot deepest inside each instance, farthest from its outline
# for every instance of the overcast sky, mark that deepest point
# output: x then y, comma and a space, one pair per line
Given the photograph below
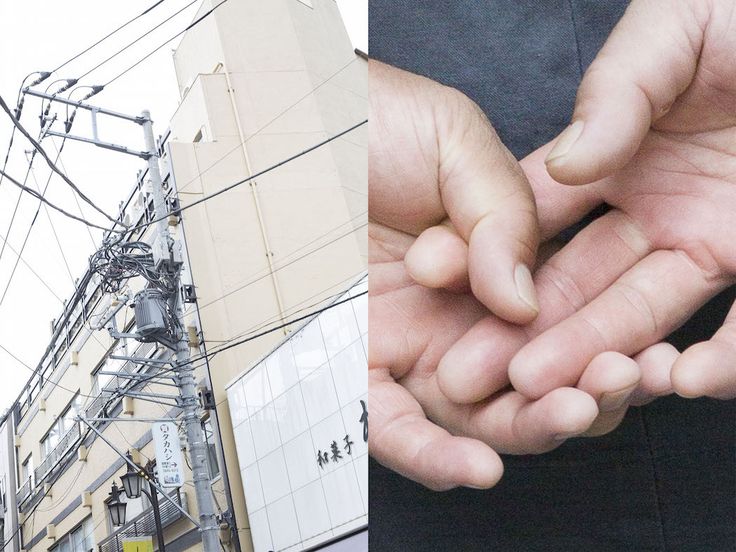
37, 35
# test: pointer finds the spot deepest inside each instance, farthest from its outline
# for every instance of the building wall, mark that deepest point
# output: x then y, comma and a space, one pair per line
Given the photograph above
274, 79
301, 433
11, 541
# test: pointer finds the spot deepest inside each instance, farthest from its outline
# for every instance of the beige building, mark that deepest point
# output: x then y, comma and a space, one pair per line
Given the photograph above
260, 82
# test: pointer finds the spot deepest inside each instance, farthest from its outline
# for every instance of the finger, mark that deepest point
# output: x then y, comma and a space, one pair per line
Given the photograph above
656, 364
490, 203
402, 439
648, 60
439, 259
477, 364
708, 369
509, 422
610, 379
645, 304
515, 425
558, 206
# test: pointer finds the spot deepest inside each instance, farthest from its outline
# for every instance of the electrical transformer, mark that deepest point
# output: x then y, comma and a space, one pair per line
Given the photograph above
150, 313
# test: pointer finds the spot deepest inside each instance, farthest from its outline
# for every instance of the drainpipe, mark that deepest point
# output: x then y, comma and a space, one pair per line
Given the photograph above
254, 189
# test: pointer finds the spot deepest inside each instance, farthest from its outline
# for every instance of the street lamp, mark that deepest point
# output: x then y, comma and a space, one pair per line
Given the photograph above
132, 482
116, 507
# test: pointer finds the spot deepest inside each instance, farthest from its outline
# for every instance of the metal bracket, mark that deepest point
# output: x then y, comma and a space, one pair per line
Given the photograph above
134, 466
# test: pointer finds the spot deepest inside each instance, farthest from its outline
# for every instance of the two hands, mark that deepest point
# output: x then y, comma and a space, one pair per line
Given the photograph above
455, 232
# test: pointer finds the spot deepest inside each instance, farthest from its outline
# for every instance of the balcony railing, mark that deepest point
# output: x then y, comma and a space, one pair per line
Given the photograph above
144, 525
94, 410
65, 443
23, 492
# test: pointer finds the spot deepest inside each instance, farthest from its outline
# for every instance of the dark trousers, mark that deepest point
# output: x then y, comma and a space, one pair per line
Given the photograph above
666, 479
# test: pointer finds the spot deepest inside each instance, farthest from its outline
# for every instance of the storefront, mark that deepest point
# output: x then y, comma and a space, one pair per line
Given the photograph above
300, 422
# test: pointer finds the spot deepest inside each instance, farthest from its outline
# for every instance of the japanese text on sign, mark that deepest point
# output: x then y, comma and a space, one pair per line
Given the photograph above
168, 454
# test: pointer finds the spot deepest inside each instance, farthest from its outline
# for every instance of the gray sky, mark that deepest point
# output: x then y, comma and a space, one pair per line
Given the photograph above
39, 35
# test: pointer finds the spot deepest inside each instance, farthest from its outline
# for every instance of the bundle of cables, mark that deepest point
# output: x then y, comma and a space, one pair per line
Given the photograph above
116, 262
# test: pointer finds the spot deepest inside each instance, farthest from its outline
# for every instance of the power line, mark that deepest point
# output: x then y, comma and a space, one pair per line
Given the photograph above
29, 267
20, 196
297, 250
137, 40
42, 199
36, 371
271, 121
79, 205
231, 342
218, 350
48, 215
291, 262
251, 177
17, 111
100, 41
30, 228
51, 164
149, 54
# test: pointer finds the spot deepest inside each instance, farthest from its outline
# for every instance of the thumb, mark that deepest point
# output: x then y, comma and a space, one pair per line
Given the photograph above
491, 206
646, 63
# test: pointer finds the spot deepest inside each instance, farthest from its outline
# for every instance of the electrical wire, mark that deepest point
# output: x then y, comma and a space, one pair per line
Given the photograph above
100, 41
35, 371
136, 40
20, 195
38, 196
291, 262
149, 54
53, 167
30, 228
51, 222
31, 269
76, 200
260, 129
251, 177
218, 350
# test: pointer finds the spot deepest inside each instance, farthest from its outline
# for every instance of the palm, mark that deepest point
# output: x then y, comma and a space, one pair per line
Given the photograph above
672, 209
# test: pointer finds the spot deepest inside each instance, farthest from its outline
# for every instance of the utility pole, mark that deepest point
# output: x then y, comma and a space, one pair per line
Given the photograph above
209, 527
177, 340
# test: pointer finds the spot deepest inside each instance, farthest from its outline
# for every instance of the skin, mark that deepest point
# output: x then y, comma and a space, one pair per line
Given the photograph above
657, 115
657, 142
432, 150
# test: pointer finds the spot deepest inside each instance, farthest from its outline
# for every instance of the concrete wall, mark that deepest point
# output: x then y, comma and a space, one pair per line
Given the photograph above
275, 79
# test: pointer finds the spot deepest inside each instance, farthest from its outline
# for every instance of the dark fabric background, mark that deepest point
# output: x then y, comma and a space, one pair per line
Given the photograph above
665, 480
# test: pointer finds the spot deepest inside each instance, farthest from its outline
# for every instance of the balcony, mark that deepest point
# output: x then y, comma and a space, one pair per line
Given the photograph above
144, 525
23, 492
69, 439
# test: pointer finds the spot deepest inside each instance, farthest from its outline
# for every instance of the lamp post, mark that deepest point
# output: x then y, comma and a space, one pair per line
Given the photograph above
133, 486
116, 507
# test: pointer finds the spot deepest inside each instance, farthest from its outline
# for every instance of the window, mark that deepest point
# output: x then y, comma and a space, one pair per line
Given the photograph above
62, 425
209, 439
26, 470
80, 539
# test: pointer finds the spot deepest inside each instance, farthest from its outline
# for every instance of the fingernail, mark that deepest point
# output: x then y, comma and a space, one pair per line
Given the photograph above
525, 286
565, 141
476, 488
616, 399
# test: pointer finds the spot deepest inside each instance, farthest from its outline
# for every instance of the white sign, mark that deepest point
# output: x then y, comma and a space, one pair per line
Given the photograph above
168, 454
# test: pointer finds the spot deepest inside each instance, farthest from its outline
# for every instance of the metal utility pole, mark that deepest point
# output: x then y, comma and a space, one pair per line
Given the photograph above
167, 248
209, 527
